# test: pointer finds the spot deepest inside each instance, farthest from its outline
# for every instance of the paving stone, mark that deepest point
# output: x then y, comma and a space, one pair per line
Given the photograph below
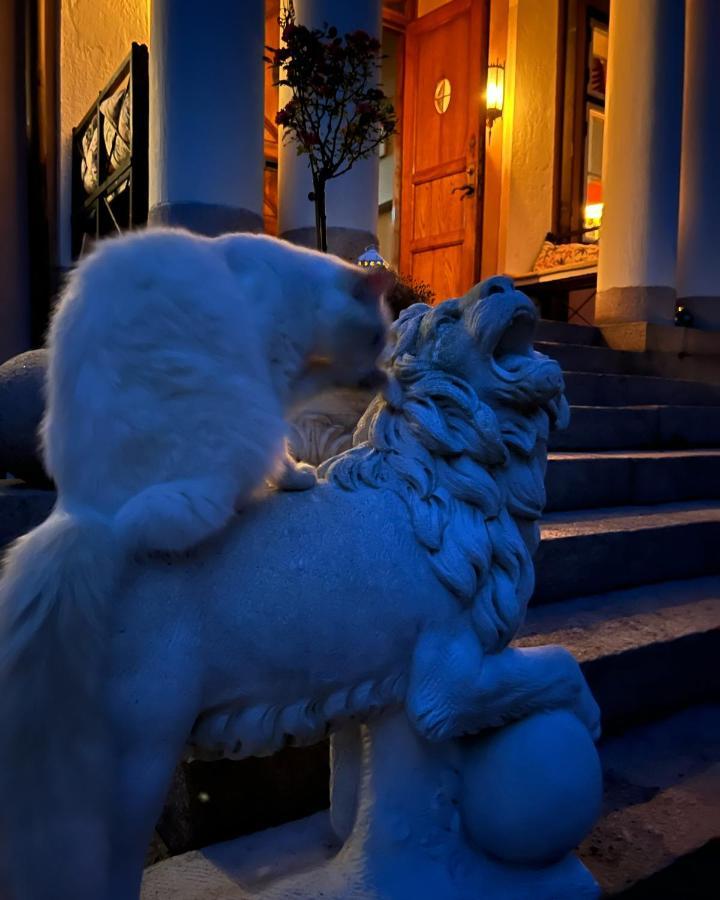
662, 800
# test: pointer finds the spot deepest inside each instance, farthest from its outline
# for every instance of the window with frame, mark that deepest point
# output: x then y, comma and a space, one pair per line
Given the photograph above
582, 78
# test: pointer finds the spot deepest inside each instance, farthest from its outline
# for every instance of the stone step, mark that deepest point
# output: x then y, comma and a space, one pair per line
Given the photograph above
589, 358
588, 551
662, 806
645, 651
639, 427
609, 478
603, 359
595, 389
567, 333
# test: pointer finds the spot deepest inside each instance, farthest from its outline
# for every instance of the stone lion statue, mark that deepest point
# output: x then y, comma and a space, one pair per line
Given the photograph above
386, 595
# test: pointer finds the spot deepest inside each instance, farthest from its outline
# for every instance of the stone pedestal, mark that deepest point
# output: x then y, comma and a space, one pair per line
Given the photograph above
492, 817
352, 199
206, 115
698, 274
427, 823
22, 381
636, 269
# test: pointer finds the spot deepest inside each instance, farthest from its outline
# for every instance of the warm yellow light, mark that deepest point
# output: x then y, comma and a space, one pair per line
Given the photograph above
495, 95
593, 214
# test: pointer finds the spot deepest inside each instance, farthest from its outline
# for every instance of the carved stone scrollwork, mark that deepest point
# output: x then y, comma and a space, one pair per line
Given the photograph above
315, 437
325, 426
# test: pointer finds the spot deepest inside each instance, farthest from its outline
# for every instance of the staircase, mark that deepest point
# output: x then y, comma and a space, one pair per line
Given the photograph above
628, 578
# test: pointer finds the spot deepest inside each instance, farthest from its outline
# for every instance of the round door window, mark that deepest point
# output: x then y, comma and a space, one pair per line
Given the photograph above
443, 91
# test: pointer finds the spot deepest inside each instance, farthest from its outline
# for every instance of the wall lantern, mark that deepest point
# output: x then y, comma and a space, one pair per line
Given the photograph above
495, 94
371, 259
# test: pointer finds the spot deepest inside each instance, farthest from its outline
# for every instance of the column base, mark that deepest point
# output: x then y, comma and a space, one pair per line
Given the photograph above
642, 303
705, 311
348, 243
205, 218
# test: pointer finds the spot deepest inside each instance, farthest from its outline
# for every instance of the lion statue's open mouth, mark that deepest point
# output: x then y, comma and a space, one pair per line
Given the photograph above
503, 321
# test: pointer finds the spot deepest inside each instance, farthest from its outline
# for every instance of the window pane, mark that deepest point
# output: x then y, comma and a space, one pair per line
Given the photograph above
592, 213
597, 64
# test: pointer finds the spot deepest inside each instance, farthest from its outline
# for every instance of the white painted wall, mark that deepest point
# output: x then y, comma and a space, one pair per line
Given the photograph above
95, 36
528, 132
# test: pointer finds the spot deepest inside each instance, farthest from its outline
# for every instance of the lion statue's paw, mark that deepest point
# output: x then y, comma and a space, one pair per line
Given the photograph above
297, 477
446, 673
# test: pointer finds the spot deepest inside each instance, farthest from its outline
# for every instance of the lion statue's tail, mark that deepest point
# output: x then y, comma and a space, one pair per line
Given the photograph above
55, 750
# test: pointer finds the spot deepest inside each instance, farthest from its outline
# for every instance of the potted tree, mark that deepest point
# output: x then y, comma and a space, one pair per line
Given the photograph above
337, 113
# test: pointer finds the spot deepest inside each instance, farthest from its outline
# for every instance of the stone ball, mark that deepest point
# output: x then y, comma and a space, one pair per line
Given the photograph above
21, 407
531, 790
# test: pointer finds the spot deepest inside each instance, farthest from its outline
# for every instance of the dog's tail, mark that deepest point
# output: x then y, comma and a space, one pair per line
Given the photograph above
55, 750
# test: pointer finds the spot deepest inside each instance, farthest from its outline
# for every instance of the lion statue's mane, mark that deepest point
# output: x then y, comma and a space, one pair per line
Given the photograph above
469, 468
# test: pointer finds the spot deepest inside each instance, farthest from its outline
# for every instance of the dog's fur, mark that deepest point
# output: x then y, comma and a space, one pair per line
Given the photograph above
173, 361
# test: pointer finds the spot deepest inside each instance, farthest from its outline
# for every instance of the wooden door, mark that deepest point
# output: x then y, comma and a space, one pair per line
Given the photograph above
443, 144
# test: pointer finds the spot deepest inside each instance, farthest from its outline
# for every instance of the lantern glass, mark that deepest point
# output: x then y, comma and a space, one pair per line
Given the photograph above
495, 97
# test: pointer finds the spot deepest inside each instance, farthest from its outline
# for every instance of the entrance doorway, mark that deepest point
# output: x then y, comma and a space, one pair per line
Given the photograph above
443, 132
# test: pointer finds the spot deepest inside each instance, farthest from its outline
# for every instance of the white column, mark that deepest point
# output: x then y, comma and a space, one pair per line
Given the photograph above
14, 261
206, 114
641, 166
698, 276
352, 199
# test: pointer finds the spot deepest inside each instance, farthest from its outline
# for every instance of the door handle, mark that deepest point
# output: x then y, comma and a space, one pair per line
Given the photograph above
467, 189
